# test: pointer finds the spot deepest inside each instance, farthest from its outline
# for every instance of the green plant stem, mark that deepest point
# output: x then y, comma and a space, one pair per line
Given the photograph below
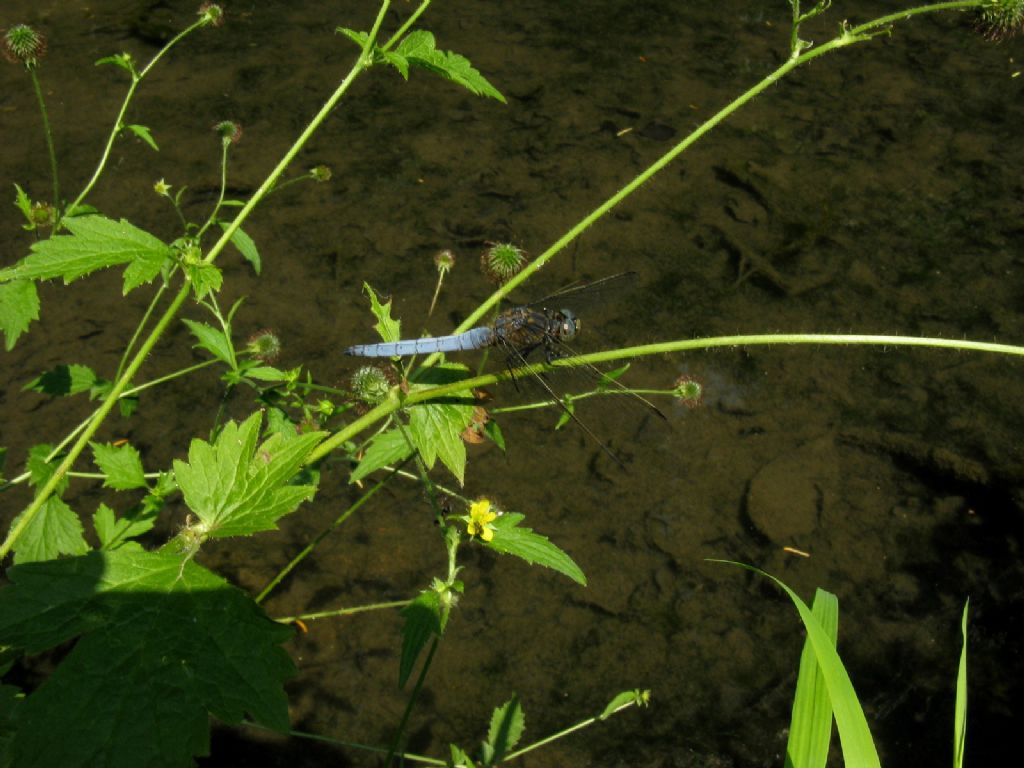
48, 133
409, 756
26, 518
140, 327
565, 732
225, 145
308, 549
362, 63
412, 701
848, 36
583, 396
405, 27
343, 611
394, 402
364, 60
137, 78
690, 345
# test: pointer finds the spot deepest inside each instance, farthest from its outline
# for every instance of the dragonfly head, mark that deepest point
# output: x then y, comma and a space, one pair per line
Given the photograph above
570, 325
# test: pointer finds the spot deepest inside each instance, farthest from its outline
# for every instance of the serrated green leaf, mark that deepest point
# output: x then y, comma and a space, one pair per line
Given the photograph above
41, 468
114, 532
122, 466
387, 327
205, 279
122, 60
436, 428
385, 449
459, 757
436, 431
64, 380
507, 725
636, 696
246, 246
160, 645
24, 204
419, 48
359, 38
422, 621
398, 61
142, 271
55, 530
143, 133
213, 340
19, 306
237, 490
810, 725
95, 242
510, 539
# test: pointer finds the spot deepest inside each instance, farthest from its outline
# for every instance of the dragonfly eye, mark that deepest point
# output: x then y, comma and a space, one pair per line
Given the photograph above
570, 325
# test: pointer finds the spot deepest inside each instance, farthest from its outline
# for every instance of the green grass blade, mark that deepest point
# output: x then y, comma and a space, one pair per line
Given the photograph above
854, 734
810, 728
960, 719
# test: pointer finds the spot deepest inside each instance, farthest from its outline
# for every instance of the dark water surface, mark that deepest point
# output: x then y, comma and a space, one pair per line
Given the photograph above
878, 190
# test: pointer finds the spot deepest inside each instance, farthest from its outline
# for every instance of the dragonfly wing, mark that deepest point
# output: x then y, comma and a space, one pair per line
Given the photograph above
579, 291
518, 358
564, 350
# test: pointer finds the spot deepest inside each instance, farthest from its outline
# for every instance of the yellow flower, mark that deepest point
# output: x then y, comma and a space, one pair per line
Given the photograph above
480, 517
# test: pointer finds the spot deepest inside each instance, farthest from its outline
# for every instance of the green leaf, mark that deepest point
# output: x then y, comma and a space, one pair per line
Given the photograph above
359, 38
121, 465
114, 532
854, 734
436, 431
810, 728
422, 621
246, 246
41, 467
143, 133
436, 428
122, 60
95, 242
19, 306
160, 645
636, 697
213, 340
418, 47
510, 539
205, 278
459, 757
237, 490
565, 414
266, 373
24, 204
64, 380
960, 710
507, 725
142, 271
493, 431
388, 328
55, 530
385, 449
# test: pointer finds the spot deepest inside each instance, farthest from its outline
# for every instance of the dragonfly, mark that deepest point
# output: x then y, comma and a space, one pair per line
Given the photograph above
519, 331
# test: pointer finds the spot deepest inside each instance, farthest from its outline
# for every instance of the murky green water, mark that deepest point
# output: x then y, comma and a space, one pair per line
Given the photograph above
877, 191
